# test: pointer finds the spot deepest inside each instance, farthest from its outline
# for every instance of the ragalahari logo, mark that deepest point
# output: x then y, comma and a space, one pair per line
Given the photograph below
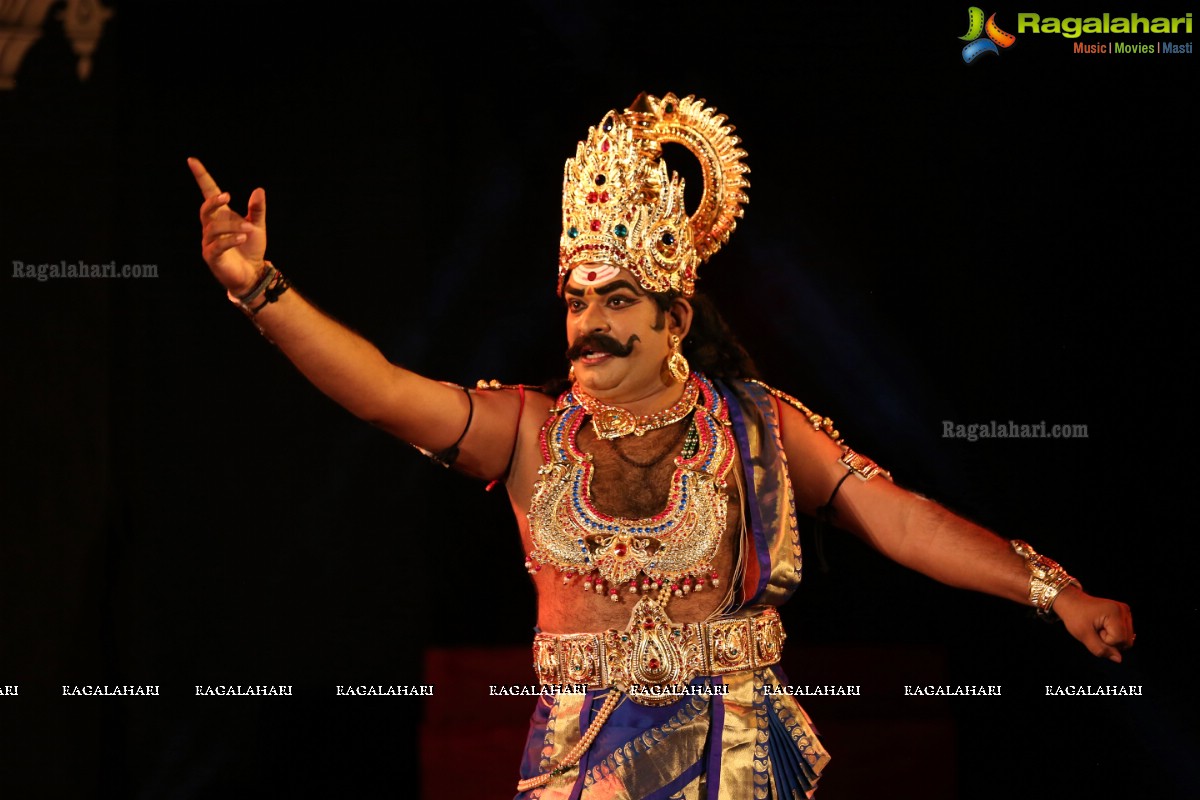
976, 27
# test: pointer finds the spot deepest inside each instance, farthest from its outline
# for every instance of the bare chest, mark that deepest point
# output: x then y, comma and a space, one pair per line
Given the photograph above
632, 475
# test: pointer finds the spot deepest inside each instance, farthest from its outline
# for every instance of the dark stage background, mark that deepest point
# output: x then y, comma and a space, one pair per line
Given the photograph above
926, 241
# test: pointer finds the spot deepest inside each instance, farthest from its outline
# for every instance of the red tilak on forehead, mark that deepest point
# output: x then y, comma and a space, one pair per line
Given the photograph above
589, 274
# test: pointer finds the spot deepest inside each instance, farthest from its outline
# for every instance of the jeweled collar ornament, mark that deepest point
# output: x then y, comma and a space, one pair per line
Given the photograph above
621, 208
671, 552
611, 422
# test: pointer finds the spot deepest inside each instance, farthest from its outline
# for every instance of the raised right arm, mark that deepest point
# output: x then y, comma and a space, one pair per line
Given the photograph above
344, 365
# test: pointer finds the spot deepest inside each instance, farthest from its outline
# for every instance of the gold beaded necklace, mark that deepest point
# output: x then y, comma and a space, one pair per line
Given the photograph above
611, 422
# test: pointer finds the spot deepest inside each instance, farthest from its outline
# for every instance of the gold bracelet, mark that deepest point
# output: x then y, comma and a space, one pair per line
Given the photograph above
1047, 578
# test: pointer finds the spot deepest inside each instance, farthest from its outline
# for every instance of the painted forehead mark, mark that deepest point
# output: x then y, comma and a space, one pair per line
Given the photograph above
594, 274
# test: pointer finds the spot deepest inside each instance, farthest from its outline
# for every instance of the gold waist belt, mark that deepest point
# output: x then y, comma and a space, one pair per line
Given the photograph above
653, 654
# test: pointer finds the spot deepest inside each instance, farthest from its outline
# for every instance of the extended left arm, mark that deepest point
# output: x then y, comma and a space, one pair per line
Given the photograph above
926, 537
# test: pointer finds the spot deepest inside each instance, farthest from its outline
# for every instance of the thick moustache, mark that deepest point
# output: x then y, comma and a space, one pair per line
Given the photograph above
592, 343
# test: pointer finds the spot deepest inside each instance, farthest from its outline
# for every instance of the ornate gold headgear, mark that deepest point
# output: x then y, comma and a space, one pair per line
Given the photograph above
620, 209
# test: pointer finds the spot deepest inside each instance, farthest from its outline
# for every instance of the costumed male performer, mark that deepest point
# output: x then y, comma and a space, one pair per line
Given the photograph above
657, 496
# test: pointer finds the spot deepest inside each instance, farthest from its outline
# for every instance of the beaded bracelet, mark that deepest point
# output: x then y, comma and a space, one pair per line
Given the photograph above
271, 286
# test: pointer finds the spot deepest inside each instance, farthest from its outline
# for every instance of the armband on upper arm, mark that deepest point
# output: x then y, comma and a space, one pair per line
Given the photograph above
863, 467
449, 455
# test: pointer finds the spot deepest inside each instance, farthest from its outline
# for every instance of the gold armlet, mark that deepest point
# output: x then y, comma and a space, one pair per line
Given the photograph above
1047, 578
862, 467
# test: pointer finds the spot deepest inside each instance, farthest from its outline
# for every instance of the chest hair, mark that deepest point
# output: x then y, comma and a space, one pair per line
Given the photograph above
636, 490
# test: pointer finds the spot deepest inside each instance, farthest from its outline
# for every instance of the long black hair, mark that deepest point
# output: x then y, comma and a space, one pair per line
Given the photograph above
711, 346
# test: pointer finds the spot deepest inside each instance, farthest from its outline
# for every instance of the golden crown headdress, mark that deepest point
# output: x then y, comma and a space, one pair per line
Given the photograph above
620, 208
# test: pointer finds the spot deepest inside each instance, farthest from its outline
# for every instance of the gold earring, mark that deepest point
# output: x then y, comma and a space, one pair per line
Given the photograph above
677, 365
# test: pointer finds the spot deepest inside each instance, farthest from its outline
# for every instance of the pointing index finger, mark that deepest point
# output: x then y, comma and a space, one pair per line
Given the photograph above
207, 185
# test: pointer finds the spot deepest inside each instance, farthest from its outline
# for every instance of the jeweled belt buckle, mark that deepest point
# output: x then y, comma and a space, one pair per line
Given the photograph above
654, 658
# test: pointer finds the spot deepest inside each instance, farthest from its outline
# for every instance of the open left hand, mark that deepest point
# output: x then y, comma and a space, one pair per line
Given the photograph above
233, 245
